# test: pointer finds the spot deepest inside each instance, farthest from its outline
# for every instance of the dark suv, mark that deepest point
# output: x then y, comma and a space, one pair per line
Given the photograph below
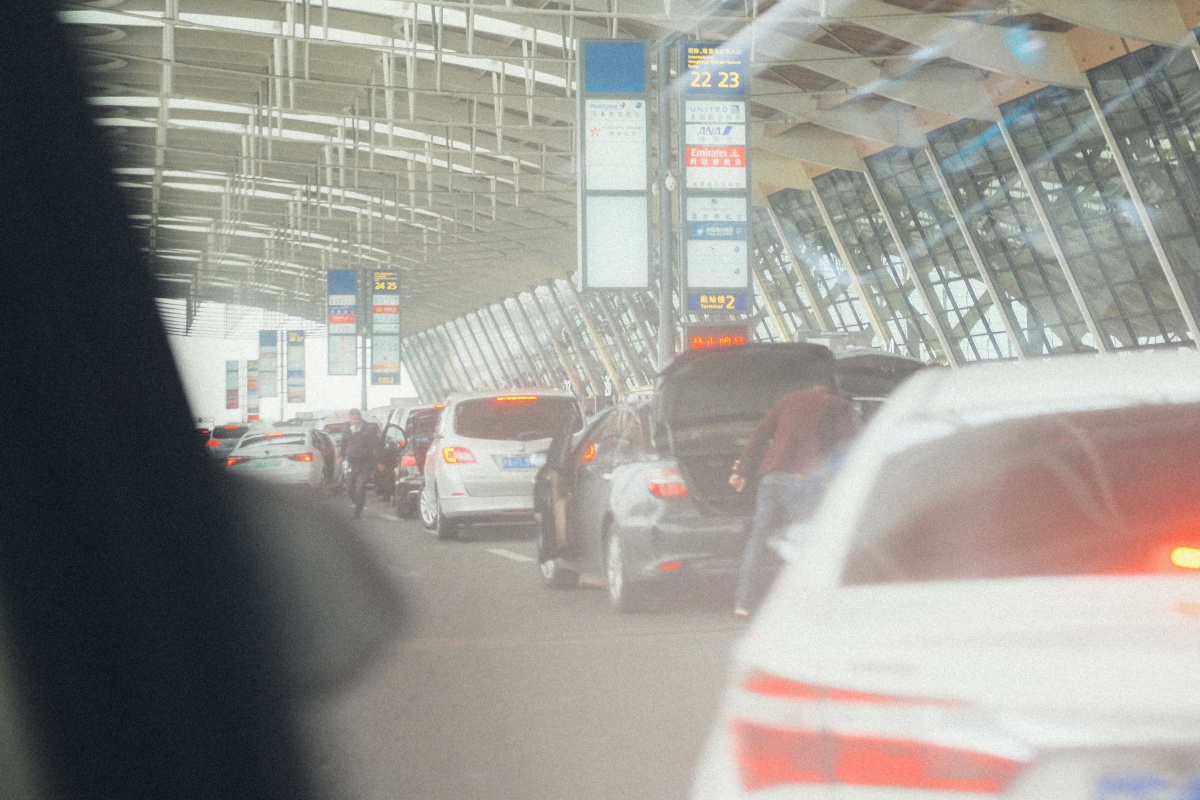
416, 433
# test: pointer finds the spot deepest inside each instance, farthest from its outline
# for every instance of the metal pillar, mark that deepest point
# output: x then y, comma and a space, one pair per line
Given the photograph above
468, 340
666, 258
540, 373
572, 377
935, 321
635, 373
885, 336
471, 378
1055, 245
800, 270
1010, 324
575, 342
512, 356
1147, 224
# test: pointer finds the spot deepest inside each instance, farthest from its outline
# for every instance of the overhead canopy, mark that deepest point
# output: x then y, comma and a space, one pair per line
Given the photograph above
262, 143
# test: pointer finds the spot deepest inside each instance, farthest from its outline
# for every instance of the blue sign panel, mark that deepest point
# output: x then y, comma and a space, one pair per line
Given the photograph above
341, 281
613, 67
738, 302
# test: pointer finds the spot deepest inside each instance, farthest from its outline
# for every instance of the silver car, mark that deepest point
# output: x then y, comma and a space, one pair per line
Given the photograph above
288, 455
485, 454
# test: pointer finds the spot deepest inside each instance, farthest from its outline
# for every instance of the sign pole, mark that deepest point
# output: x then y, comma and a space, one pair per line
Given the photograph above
666, 259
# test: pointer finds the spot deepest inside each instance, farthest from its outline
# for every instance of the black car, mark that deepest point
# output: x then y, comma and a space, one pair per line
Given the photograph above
641, 498
419, 424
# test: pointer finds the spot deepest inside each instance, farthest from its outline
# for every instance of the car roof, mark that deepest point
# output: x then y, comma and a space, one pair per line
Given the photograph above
458, 397
981, 393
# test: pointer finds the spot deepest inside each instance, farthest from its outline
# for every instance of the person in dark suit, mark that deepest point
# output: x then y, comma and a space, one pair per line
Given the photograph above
361, 449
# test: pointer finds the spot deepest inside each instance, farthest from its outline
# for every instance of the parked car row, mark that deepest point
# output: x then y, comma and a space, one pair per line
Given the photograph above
642, 499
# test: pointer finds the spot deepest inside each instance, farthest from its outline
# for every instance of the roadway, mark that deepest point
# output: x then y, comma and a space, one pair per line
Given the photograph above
502, 689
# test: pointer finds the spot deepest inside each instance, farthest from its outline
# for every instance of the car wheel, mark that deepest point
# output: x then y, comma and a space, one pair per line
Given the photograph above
446, 529
624, 596
555, 573
427, 510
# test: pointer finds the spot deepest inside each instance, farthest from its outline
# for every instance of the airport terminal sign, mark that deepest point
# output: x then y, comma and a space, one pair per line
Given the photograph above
714, 139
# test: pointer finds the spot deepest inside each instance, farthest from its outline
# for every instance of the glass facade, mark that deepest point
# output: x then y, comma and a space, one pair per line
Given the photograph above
874, 256
1079, 183
1064, 252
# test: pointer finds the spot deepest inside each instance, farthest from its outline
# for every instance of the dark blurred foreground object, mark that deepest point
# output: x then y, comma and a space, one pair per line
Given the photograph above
159, 621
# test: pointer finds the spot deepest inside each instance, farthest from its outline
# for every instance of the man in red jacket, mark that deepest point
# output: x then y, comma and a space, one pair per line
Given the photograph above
789, 454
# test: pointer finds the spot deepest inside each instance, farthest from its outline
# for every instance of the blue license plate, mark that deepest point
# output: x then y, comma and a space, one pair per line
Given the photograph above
1146, 787
515, 462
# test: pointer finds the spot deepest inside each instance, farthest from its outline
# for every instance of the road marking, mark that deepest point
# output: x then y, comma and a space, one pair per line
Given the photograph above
513, 556
392, 517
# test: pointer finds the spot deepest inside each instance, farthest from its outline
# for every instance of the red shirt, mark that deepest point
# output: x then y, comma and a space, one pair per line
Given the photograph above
799, 432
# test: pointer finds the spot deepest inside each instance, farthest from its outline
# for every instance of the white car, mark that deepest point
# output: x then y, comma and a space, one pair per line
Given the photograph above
290, 454
1000, 595
485, 454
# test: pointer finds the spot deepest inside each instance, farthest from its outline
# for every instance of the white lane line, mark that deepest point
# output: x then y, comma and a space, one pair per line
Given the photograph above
391, 517
512, 556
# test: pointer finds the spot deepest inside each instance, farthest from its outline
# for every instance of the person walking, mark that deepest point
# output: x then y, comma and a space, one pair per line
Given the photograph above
789, 454
361, 451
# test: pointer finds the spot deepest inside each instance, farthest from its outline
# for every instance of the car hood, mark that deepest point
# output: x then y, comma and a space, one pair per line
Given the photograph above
736, 382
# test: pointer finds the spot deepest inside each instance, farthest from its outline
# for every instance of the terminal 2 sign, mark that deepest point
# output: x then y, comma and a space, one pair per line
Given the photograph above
714, 124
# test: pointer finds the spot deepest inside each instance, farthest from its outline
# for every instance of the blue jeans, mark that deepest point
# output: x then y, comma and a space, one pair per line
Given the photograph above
783, 500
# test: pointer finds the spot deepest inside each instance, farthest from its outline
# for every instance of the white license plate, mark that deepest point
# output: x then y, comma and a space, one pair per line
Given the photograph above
1147, 787
515, 462
268, 463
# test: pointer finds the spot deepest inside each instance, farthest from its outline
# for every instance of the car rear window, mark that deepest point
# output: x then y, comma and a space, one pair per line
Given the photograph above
423, 422
1092, 493
267, 440
229, 433
516, 418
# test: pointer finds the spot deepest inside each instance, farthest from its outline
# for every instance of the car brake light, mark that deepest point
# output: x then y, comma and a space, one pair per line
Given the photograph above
214, 442
517, 398
306, 457
457, 455
408, 460
232, 460
1186, 557
666, 482
590, 453
779, 754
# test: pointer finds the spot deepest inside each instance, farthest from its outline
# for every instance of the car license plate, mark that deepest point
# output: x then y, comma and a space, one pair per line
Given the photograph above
268, 463
1146, 787
515, 462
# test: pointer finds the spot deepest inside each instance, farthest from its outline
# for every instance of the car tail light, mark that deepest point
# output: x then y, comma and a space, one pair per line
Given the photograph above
666, 482
778, 753
457, 455
408, 460
305, 457
517, 398
1186, 557
232, 460
214, 442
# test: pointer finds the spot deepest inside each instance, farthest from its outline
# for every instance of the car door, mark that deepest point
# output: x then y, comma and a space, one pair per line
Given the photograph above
591, 465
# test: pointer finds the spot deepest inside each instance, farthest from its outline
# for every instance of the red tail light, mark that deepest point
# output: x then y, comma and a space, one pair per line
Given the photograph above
666, 483
457, 455
408, 460
305, 457
214, 442
517, 398
229, 462
778, 754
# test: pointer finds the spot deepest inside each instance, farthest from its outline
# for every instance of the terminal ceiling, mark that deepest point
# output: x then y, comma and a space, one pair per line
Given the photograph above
263, 142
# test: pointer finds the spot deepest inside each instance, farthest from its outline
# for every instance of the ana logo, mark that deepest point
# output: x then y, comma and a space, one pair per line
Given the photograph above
715, 130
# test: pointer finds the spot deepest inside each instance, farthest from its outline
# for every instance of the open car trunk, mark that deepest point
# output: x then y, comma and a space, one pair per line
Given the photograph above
708, 402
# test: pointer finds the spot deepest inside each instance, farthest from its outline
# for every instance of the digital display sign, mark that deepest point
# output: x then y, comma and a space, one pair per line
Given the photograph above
709, 336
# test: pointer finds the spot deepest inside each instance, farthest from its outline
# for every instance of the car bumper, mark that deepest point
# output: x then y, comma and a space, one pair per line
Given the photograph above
505, 508
668, 551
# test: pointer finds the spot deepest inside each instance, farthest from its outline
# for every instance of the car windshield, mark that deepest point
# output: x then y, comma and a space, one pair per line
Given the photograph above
1096, 493
518, 418
271, 440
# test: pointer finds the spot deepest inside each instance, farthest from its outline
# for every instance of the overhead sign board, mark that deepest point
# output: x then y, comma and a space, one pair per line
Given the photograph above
706, 336
342, 321
268, 364
614, 171
231, 385
714, 138
385, 328
295, 366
